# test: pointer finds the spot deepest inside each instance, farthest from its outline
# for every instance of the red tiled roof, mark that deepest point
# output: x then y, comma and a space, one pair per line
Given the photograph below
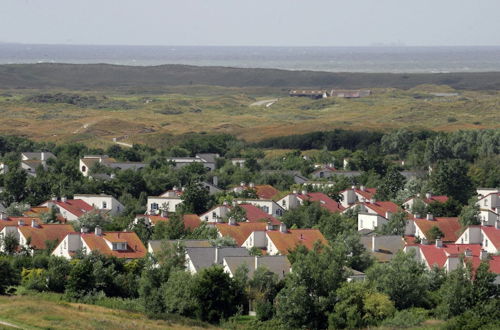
493, 235
495, 264
266, 191
135, 248
449, 226
438, 256
191, 221
240, 231
75, 206
436, 199
255, 214
367, 193
323, 200
382, 207
285, 242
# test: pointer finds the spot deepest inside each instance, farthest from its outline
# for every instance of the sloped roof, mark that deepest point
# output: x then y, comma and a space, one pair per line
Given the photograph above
266, 191
241, 230
45, 232
387, 246
276, 264
204, 257
325, 201
135, 248
367, 193
493, 235
436, 199
191, 221
382, 207
76, 207
294, 237
156, 245
255, 214
450, 227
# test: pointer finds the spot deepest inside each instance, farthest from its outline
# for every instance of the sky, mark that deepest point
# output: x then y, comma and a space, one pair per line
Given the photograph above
252, 23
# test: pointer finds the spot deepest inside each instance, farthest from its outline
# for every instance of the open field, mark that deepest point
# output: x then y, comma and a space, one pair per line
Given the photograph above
96, 117
28, 312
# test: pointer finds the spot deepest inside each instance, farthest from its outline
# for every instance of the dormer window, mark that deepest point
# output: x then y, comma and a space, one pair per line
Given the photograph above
120, 246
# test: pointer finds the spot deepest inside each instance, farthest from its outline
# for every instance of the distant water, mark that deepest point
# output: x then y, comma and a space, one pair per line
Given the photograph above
333, 59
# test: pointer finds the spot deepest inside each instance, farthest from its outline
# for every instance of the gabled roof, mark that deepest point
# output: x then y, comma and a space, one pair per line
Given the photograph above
276, 264
204, 257
382, 207
367, 193
436, 256
191, 221
44, 232
135, 248
266, 191
241, 230
323, 200
436, 199
285, 242
386, 246
255, 214
449, 226
493, 235
76, 207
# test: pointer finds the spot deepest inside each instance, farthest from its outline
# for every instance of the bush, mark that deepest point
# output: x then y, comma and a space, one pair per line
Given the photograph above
407, 318
34, 279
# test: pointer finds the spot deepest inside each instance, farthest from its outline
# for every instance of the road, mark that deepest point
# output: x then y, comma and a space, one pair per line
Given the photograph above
10, 325
267, 103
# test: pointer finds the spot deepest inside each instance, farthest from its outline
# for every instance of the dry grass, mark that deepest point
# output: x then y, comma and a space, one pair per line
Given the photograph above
227, 110
35, 312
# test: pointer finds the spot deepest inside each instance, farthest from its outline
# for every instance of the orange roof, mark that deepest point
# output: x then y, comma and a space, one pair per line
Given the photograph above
449, 226
191, 221
323, 200
436, 199
135, 248
45, 232
367, 193
255, 214
76, 207
285, 242
240, 231
382, 207
493, 235
266, 191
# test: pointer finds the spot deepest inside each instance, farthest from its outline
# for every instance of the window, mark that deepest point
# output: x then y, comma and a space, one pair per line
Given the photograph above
84, 169
154, 206
104, 205
486, 202
279, 213
283, 203
321, 174
265, 209
486, 243
214, 215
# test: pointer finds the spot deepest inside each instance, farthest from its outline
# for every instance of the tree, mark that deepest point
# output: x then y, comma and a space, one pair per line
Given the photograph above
404, 279
80, 279
14, 185
8, 274
470, 214
195, 199
91, 220
179, 294
450, 179
392, 183
237, 213
49, 217
223, 241
143, 230
10, 243
456, 293
396, 224
171, 229
263, 288
216, 294
434, 233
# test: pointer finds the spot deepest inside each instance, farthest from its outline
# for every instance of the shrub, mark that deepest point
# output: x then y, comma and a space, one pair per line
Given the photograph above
34, 279
407, 318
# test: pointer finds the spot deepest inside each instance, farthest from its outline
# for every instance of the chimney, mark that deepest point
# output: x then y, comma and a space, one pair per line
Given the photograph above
98, 231
497, 224
468, 252
256, 262
363, 200
34, 224
183, 189
428, 195
84, 230
42, 156
251, 185
283, 228
483, 255
215, 180
175, 188
304, 192
64, 199
232, 221
362, 188
242, 184
294, 192
424, 241
430, 217
112, 176
225, 203
54, 198
373, 200
20, 222
374, 243
3, 216
417, 215
269, 226
353, 187
439, 243
388, 215
216, 261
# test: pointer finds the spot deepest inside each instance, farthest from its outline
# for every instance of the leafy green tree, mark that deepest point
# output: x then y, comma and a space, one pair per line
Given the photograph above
91, 220
80, 279
404, 279
470, 214
143, 230
450, 208
179, 294
450, 179
172, 229
57, 273
195, 199
216, 294
396, 224
263, 288
14, 185
223, 241
16, 209
456, 293
434, 233
10, 243
392, 183
49, 217
203, 232
8, 274
237, 213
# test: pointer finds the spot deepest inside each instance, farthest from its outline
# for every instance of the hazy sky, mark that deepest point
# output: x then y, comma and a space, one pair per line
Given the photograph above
251, 22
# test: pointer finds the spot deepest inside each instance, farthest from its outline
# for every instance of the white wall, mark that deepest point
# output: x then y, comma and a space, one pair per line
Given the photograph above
171, 203
219, 212
471, 235
112, 203
256, 239
370, 221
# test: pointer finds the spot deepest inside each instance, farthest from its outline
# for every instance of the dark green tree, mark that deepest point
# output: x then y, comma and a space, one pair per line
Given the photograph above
195, 199
392, 183
450, 178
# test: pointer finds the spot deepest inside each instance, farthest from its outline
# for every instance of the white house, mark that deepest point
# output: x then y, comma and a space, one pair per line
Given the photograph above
487, 236
208, 160
4, 168
374, 214
216, 214
30, 161
87, 162
490, 202
296, 199
70, 209
267, 205
276, 264
355, 195
489, 217
157, 204
429, 199
102, 202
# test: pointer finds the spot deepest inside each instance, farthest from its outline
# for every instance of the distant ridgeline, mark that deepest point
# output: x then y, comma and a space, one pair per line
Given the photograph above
88, 76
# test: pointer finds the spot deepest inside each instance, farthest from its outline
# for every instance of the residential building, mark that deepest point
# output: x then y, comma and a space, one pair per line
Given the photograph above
199, 258
191, 221
241, 231
69, 209
427, 200
356, 195
121, 244
487, 236
89, 161
278, 265
266, 205
30, 161
383, 247
449, 226
374, 214
208, 160
295, 199
252, 214
155, 246
264, 191
284, 240
106, 203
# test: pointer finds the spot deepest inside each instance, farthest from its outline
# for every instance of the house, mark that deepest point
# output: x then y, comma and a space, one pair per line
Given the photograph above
252, 214
103, 202
241, 231
383, 247
168, 202
212, 187
30, 161
429, 199
482, 192
374, 214
312, 93
449, 256
284, 240
208, 160
449, 226
89, 161
35, 235
240, 162
268, 206
264, 191
155, 246
120, 244
69, 209
324, 172
489, 217
487, 236
295, 199
354, 195
490, 201
199, 258
191, 221
278, 265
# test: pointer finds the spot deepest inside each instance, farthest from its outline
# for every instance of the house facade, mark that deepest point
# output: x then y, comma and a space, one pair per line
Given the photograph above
102, 202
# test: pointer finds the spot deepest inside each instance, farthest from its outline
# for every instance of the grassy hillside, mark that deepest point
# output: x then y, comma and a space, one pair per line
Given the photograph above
92, 76
28, 312
156, 118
